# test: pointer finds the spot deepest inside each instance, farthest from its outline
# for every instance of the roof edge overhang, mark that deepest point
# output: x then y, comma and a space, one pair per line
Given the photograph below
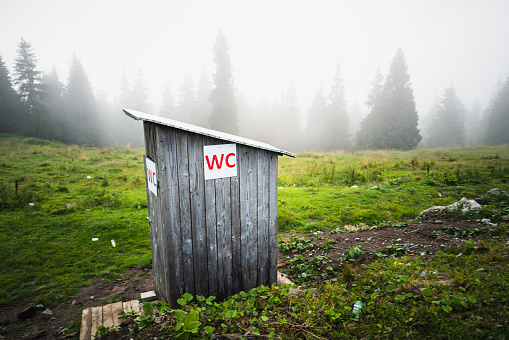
137, 115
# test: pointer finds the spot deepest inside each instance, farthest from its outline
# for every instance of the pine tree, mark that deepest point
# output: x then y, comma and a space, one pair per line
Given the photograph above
53, 99
140, 94
448, 129
336, 133
186, 103
203, 106
473, 124
34, 117
498, 118
392, 122
128, 131
167, 108
316, 118
224, 109
288, 121
9, 102
426, 122
81, 121
373, 101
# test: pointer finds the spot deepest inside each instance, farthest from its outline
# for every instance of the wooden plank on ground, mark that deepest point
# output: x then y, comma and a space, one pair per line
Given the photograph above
116, 309
126, 307
135, 307
107, 316
148, 296
86, 324
97, 319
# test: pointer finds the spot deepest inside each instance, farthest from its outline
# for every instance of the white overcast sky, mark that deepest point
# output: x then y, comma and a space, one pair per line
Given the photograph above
272, 43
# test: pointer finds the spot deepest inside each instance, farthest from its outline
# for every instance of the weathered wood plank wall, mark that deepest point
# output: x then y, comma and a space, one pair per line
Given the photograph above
214, 237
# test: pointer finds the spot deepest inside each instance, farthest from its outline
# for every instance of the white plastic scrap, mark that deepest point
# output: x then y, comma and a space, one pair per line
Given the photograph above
31, 204
95, 239
354, 187
89, 177
113, 243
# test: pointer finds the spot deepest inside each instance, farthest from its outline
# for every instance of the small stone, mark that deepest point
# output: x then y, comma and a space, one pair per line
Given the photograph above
92, 297
438, 221
47, 314
71, 335
73, 302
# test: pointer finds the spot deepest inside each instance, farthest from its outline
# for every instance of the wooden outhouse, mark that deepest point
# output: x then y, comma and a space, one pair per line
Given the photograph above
212, 209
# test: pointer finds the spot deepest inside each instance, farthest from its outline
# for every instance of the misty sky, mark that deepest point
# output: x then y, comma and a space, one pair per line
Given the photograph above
272, 43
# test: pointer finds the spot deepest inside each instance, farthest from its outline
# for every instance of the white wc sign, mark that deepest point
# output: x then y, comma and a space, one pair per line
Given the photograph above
220, 161
151, 174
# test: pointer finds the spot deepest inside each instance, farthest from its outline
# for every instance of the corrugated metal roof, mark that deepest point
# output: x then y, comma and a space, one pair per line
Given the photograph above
203, 131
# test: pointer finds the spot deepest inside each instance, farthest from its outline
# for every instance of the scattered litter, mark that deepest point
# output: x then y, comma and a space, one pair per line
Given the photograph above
89, 177
486, 221
439, 194
31, 204
113, 243
423, 273
294, 185
95, 239
92, 297
357, 308
354, 187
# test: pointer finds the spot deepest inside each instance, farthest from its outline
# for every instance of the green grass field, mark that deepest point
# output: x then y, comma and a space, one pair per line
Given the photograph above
54, 199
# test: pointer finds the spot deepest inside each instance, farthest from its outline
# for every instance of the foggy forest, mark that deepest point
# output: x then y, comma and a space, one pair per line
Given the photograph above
37, 103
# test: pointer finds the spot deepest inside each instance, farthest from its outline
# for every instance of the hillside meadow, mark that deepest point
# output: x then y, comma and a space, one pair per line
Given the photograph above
55, 199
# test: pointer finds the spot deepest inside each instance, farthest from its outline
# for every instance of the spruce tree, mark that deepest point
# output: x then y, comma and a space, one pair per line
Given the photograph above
336, 132
167, 108
81, 122
34, 117
140, 94
53, 99
203, 106
448, 128
224, 109
186, 101
315, 122
392, 122
288, 121
497, 129
9, 102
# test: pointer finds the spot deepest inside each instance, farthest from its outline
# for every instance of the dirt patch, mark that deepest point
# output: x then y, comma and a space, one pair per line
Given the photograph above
59, 324
362, 244
420, 239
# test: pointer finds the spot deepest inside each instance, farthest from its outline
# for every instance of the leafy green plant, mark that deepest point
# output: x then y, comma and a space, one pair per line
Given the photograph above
298, 244
353, 253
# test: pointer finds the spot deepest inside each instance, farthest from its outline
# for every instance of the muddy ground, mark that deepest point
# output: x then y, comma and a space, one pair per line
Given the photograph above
420, 239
